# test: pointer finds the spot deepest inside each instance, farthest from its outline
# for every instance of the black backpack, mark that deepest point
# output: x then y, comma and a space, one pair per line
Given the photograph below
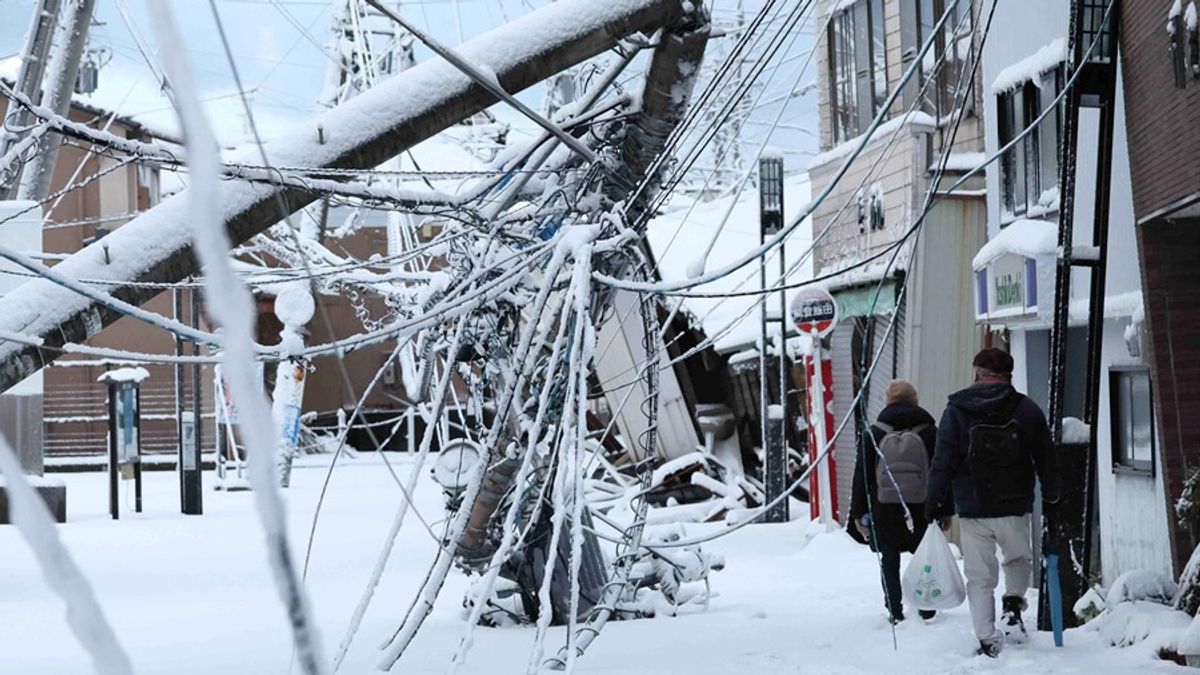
998, 461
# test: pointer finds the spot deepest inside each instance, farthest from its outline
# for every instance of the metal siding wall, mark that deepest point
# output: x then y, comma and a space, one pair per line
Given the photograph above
843, 395
885, 369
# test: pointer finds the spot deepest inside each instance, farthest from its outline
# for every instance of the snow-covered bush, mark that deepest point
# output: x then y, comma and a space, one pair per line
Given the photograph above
1187, 598
1137, 585
1187, 508
1131, 623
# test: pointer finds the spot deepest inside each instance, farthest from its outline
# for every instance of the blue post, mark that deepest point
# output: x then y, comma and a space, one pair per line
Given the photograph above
1052, 588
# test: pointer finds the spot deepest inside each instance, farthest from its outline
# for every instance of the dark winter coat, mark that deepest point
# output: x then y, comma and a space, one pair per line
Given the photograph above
950, 466
890, 527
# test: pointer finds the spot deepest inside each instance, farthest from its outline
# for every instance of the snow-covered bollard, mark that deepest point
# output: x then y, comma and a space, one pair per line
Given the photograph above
294, 306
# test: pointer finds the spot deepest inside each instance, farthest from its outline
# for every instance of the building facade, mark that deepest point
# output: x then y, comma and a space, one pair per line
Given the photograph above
1024, 73
878, 263
105, 194
1162, 107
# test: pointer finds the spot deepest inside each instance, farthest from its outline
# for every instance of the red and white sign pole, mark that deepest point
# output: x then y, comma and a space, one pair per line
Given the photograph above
814, 312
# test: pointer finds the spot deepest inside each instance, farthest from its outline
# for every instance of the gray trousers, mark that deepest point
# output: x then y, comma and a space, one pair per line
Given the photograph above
980, 537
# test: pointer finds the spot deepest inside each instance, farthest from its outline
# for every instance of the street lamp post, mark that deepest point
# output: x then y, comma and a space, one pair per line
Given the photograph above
774, 417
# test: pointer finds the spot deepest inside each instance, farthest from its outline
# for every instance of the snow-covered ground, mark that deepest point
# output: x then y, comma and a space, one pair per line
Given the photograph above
193, 595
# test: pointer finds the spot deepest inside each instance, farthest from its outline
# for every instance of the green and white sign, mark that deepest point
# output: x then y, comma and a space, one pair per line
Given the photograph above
1006, 288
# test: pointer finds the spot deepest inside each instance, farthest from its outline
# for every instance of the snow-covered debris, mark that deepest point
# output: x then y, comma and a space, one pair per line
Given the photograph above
133, 374
1091, 605
1030, 238
1030, 69
1141, 585
677, 465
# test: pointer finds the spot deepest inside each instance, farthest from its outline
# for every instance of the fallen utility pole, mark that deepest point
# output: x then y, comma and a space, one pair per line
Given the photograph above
484, 79
29, 77
59, 83
362, 133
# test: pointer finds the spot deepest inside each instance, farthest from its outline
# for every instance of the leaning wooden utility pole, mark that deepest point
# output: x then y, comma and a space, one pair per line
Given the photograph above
59, 81
360, 134
29, 77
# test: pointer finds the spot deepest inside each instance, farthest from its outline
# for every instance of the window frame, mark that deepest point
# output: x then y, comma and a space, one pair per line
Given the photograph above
1119, 464
1031, 107
842, 113
856, 93
939, 97
1029, 168
1005, 131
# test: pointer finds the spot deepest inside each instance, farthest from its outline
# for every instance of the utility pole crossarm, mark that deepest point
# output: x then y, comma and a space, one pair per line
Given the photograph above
360, 134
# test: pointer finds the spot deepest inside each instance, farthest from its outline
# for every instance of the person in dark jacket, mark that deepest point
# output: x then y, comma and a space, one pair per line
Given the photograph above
885, 526
992, 443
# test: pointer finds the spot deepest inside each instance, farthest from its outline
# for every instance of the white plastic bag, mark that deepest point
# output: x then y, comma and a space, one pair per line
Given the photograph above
932, 579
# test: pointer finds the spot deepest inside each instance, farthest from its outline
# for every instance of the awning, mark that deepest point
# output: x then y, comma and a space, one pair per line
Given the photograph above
861, 300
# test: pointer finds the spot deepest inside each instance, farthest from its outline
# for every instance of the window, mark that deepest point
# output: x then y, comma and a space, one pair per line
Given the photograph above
1178, 50
1132, 416
857, 68
1031, 105
1029, 169
951, 48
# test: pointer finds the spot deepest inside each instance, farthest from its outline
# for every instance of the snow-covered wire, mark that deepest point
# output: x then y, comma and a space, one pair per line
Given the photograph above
84, 614
786, 231
234, 312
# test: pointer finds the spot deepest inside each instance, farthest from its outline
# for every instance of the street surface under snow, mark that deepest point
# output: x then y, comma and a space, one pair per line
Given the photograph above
193, 595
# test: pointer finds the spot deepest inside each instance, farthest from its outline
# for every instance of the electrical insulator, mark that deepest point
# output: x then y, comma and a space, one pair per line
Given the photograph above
88, 77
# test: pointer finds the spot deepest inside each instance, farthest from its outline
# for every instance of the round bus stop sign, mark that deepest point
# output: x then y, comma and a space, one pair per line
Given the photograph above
814, 311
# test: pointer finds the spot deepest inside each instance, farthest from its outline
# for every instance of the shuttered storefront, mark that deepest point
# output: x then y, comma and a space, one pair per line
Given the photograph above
862, 328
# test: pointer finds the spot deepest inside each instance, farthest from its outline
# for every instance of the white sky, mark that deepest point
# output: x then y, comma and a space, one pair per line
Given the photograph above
283, 69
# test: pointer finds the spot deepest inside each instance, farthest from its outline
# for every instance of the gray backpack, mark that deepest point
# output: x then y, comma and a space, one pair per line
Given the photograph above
902, 468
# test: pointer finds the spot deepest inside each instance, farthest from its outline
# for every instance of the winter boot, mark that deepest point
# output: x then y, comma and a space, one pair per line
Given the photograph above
927, 614
991, 648
1010, 618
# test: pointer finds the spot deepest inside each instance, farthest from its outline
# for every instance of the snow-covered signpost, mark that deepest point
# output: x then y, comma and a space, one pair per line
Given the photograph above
814, 312
124, 437
294, 307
